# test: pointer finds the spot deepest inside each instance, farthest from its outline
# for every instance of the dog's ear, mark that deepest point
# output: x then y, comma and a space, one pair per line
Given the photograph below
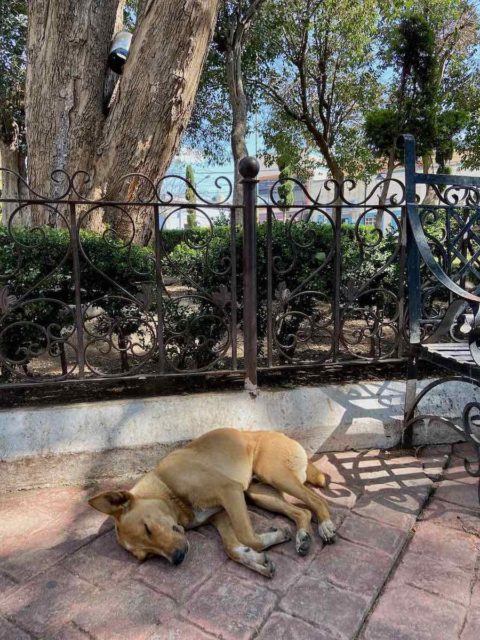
111, 502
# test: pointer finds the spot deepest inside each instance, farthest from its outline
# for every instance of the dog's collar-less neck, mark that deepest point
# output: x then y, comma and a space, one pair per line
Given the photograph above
183, 511
153, 487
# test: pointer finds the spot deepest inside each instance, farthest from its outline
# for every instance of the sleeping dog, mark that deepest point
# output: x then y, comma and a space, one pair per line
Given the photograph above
206, 481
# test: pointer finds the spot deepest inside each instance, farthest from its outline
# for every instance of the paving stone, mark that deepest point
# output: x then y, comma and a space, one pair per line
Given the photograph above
288, 571
464, 450
459, 493
131, 610
446, 545
398, 511
385, 469
231, 608
456, 472
351, 567
406, 613
436, 576
281, 626
41, 552
70, 632
9, 631
339, 496
472, 625
102, 562
349, 455
179, 630
332, 609
373, 534
332, 466
396, 486
450, 515
391, 459
434, 459
7, 584
475, 601
45, 604
204, 558
46, 508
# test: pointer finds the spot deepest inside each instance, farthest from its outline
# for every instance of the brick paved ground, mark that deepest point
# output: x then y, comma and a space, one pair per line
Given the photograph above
398, 571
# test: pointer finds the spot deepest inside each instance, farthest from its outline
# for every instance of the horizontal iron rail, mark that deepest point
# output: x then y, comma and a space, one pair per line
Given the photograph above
32, 384
447, 179
122, 203
339, 364
215, 373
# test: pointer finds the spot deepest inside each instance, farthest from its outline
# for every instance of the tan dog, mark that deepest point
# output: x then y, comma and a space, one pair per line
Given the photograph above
206, 481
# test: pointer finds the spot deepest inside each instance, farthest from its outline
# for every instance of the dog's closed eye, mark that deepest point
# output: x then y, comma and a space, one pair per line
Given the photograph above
177, 529
149, 533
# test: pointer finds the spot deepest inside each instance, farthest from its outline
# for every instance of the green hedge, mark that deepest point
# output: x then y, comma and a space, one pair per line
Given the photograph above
42, 259
298, 251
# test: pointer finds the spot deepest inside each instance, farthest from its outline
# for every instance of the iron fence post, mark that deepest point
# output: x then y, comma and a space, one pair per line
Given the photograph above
413, 255
159, 288
75, 239
249, 168
414, 289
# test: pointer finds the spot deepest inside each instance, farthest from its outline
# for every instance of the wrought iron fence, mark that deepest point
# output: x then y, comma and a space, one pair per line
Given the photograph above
258, 286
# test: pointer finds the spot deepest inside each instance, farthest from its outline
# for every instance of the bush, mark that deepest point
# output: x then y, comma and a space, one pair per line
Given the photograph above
300, 286
170, 238
38, 265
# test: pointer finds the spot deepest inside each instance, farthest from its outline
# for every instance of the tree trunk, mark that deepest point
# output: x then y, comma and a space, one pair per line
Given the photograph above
12, 159
156, 96
68, 44
238, 105
430, 197
386, 185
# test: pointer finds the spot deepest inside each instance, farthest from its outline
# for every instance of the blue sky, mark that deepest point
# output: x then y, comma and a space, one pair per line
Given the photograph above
205, 173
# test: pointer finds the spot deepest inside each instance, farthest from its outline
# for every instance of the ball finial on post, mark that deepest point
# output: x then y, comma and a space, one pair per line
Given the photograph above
249, 167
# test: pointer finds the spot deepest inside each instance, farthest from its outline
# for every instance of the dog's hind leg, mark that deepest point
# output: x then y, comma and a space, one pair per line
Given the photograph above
283, 463
233, 501
267, 497
288, 482
238, 552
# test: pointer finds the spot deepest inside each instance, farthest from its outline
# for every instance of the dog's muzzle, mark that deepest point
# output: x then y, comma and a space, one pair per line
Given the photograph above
179, 555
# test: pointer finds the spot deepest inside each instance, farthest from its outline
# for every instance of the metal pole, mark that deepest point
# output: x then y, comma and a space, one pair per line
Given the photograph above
249, 168
414, 288
74, 234
413, 255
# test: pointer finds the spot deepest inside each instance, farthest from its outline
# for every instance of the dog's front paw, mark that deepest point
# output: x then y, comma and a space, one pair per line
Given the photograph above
327, 531
283, 534
270, 568
303, 541
258, 562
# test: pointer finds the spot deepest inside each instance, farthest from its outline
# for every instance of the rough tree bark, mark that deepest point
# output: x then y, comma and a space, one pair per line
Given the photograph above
12, 158
238, 28
68, 45
430, 197
238, 104
67, 51
385, 188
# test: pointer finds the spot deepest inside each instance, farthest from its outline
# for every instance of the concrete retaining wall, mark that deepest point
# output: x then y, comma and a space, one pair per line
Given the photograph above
80, 441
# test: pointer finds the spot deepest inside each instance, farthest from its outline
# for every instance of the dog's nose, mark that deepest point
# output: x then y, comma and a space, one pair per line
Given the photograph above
179, 556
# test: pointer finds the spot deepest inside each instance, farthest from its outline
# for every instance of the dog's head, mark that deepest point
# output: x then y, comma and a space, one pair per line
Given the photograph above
144, 526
